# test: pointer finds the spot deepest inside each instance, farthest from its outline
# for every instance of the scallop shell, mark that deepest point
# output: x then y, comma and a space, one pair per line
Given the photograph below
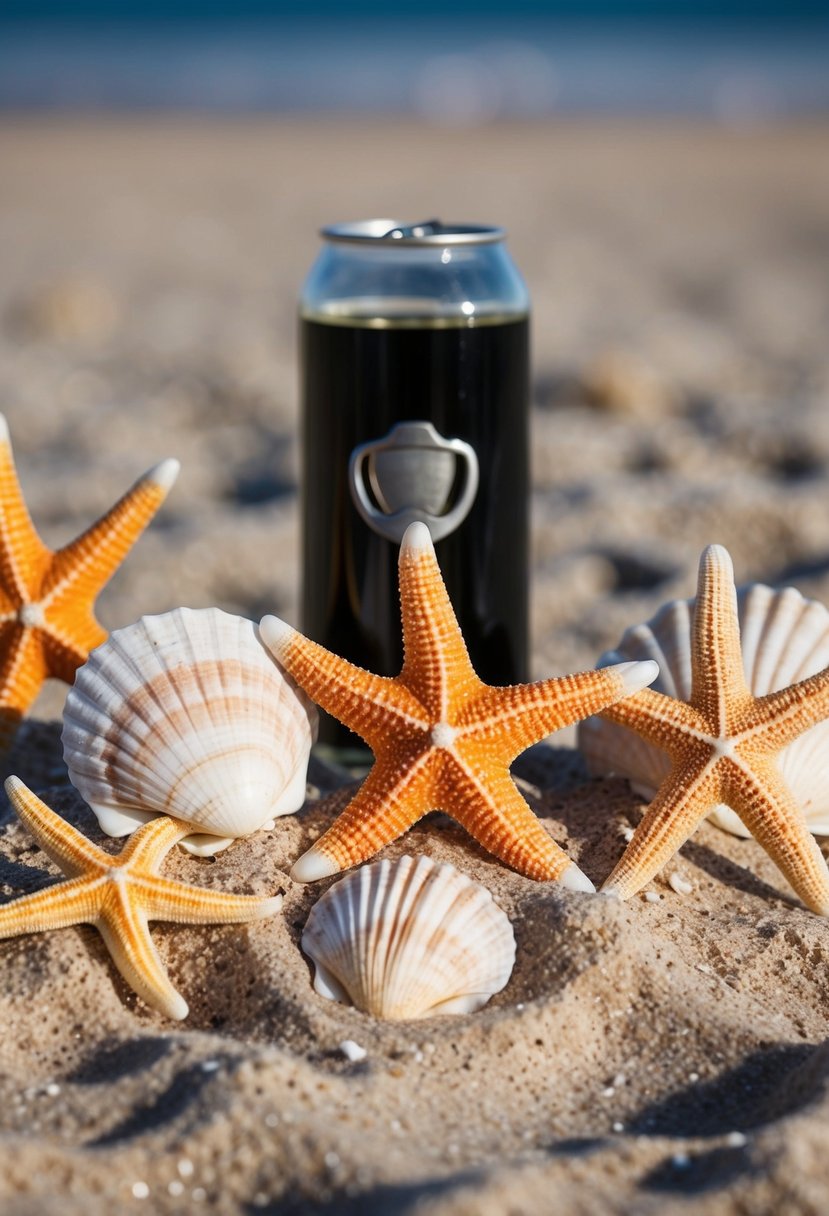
186, 714
409, 939
784, 637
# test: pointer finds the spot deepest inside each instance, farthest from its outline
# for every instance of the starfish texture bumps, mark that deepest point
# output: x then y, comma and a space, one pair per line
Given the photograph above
442, 739
47, 622
723, 744
119, 894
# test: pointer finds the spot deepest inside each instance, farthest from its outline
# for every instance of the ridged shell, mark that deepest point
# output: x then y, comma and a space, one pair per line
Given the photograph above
784, 638
186, 714
409, 939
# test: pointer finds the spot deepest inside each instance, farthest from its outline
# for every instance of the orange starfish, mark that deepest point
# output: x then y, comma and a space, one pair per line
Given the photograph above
118, 894
47, 622
722, 743
442, 739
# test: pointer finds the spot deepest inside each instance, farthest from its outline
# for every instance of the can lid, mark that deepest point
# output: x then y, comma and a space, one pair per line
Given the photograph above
427, 232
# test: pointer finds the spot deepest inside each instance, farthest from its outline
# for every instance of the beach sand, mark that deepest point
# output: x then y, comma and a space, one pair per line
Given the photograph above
667, 1054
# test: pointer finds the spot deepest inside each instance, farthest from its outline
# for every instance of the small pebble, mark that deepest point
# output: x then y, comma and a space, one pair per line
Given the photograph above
618, 1127
681, 1161
652, 897
140, 1190
679, 884
176, 1187
53, 1090
627, 835
210, 1065
693, 1076
352, 1051
185, 1168
736, 1140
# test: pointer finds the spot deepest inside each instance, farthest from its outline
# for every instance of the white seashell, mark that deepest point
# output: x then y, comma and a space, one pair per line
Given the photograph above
186, 714
784, 638
409, 939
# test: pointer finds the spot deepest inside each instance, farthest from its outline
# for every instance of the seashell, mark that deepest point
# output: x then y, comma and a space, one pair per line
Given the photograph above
784, 638
409, 939
186, 714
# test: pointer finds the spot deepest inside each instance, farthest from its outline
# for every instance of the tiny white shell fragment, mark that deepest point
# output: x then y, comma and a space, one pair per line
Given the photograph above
409, 939
186, 714
784, 638
679, 884
353, 1051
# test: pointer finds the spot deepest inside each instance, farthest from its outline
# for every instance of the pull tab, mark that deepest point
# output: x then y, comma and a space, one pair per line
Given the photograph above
411, 472
425, 228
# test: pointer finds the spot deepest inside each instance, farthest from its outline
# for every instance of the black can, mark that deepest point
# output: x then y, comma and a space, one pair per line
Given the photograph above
415, 390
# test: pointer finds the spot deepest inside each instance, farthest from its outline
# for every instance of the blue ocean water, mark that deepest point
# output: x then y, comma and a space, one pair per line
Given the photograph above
463, 69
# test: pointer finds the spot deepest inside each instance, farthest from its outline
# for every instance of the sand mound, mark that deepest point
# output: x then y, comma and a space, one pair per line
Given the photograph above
670, 1044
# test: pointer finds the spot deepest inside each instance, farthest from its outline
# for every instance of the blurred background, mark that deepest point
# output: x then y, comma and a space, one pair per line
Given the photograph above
662, 169
461, 62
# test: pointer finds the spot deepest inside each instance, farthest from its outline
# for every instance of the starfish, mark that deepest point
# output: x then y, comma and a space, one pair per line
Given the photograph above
722, 744
442, 739
119, 894
47, 623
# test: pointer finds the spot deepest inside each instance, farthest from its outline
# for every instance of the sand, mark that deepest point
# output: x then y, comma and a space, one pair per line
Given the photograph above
668, 1054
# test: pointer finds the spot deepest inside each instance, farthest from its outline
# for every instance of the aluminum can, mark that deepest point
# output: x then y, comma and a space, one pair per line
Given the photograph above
414, 401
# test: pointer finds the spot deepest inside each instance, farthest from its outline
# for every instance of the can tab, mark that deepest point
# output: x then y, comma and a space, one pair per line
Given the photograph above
411, 474
406, 231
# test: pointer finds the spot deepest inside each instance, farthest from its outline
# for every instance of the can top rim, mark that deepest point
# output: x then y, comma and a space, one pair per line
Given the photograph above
392, 233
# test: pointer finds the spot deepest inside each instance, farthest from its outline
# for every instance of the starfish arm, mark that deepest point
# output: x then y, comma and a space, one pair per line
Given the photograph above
717, 675
65, 651
662, 720
513, 718
766, 806
80, 570
149, 845
495, 814
57, 907
60, 841
681, 803
436, 663
23, 555
124, 928
365, 703
779, 717
164, 899
22, 671
393, 796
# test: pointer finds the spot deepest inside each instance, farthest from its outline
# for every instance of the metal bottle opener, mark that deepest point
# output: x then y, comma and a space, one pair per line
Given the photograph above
411, 472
